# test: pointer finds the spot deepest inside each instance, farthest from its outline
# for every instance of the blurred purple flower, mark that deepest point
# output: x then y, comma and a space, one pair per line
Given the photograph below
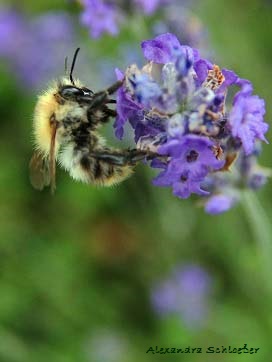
186, 292
12, 28
106, 16
51, 33
258, 179
149, 6
100, 17
53, 26
178, 19
218, 204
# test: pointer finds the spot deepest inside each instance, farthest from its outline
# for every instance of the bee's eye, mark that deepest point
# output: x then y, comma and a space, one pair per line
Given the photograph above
87, 90
70, 92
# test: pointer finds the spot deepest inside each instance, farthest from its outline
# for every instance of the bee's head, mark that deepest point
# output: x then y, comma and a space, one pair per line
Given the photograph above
62, 101
72, 90
74, 93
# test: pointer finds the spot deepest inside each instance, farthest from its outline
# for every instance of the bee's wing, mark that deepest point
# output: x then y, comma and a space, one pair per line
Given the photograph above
230, 159
39, 171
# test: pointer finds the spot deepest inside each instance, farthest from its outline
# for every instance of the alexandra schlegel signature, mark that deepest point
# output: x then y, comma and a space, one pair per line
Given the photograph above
210, 349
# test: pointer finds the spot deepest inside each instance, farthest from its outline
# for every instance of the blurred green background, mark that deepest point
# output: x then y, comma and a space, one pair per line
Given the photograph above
77, 268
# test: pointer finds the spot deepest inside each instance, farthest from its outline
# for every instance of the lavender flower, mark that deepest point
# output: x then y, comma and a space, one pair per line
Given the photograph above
185, 293
177, 106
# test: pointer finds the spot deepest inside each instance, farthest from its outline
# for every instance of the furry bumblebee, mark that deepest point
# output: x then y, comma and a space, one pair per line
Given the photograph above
66, 122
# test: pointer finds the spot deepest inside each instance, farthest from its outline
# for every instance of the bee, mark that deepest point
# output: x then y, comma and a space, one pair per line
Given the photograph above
66, 121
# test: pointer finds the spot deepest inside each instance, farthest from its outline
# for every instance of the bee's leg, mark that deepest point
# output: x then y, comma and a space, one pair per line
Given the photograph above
106, 167
120, 158
109, 112
100, 115
111, 101
100, 98
113, 88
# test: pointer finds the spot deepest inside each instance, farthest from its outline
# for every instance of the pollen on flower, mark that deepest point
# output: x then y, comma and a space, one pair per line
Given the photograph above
218, 152
215, 78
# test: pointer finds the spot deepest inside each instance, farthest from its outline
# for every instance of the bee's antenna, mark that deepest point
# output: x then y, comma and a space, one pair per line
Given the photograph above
66, 65
73, 65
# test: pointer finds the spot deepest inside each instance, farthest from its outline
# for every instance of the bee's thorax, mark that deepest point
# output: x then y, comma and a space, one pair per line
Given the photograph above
67, 116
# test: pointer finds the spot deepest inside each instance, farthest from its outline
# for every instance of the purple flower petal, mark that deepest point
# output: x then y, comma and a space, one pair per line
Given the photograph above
231, 78
191, 160
185, 60
201, 67
184, 189
126, 108
161, 49
246, 89
246, 121
146, 91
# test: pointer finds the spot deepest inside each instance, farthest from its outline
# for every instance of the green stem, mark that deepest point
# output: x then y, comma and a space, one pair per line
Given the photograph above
261, 229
